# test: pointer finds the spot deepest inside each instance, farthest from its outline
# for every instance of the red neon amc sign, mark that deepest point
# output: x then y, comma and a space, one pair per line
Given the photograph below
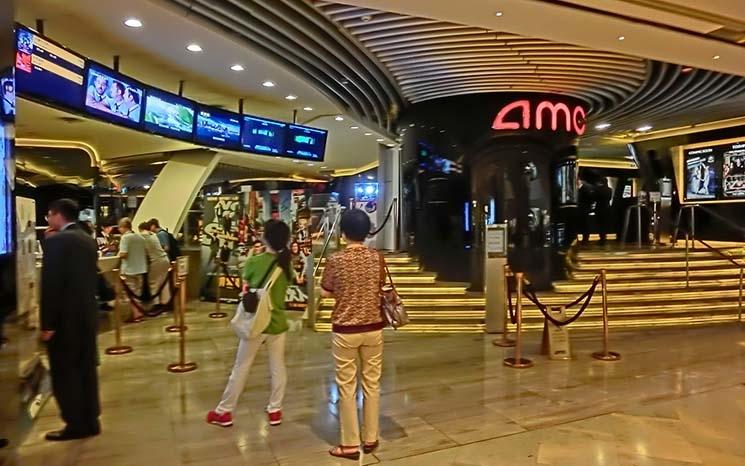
518, 115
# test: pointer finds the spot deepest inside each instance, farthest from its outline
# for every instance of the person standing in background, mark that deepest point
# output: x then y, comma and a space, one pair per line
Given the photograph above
584, 208
603, 196
354, 278
133, 253
158, 266
69, 321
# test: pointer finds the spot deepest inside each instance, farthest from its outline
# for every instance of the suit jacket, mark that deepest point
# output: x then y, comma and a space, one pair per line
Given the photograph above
68, 293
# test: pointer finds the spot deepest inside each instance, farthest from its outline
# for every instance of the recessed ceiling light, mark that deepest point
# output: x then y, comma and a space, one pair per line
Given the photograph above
366, 18
310, 164
160, 162
498, 14
391, 145
621, 37
411, 125
133, 23
380, 140
237, 67
716, 57
268, 84
295, 161
368, 134
644, 128
686, 69
602, 126
194, 48
147, 186
291, 97
354, 127
308, 109
339, 118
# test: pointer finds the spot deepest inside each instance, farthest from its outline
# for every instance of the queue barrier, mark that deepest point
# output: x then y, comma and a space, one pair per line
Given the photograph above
220, 268
118, 347
514, 314
179, 312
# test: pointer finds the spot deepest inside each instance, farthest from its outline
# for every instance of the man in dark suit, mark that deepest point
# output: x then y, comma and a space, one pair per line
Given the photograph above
603, 197
69, 321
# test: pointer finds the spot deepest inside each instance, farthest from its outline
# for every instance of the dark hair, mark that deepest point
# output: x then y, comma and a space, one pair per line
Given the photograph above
154, 222
355, 224
144, 226
119, 86
68, 208
87, 227
277, 234
135, 95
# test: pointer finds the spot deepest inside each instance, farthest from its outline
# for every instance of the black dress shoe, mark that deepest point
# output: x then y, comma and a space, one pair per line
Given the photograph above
64, 435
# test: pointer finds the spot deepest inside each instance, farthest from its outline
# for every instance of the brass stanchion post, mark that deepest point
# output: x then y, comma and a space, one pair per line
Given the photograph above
218, 314
118, 348
605, 355
739, 302
518, 362
505, 341
687, 268
182, 366
176, 327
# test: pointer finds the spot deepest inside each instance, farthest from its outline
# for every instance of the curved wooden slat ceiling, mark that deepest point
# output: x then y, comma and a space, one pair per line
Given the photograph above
431, 59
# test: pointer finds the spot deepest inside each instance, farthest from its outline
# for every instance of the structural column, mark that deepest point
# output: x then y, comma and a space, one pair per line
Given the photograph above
389, 186
176, 188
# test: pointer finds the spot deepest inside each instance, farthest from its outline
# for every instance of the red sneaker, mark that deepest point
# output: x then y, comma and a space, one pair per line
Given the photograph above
222, 420
275, 418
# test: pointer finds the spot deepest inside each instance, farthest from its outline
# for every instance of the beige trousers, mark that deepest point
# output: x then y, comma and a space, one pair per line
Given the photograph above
347, 349
157, 273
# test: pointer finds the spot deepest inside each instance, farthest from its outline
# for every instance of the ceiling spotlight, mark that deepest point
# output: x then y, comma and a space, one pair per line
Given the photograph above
237, 67
268, 84
339, 118
391, 145
308, 109
498, 14
194, 48
295, 161
644, 128
291, 97
621, 37
368, 134
310, 164
379, 140
366, 18
716, 57
686, 69
147, 186
354, 127
324, 167
411, 125
133, 23
602, 126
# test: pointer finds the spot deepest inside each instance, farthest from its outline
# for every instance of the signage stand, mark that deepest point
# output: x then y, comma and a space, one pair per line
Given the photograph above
495, 259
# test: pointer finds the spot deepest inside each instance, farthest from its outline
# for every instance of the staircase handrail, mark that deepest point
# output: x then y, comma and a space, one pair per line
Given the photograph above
326, 243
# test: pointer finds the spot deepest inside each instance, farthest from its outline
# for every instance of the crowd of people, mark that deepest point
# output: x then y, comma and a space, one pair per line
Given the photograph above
353, 277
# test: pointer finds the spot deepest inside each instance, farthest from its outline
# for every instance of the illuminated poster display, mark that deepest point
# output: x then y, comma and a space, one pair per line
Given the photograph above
733, 171
701, 177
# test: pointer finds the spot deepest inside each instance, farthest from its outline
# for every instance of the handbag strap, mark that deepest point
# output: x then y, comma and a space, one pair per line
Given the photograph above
268, 271
387, 272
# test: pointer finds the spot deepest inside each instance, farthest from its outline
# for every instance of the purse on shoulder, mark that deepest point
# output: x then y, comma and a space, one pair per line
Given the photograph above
391, 306
250, 298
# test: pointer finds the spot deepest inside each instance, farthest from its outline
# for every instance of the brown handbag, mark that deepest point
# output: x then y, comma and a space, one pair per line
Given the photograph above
391, 307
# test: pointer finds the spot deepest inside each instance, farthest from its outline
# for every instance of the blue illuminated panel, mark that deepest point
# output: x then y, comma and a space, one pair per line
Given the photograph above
306, 143
218, 128
264, 136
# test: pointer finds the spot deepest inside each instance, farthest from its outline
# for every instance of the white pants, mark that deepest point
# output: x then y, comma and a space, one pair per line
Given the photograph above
247, 350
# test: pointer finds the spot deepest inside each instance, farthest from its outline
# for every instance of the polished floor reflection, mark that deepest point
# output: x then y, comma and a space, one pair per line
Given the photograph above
676, 398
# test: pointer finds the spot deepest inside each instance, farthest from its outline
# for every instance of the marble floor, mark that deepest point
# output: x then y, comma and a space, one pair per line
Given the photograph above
676, 398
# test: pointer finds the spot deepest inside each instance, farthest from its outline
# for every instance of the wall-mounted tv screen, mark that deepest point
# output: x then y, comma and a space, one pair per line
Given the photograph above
46, 71
306, 142
702, 180
112, 96
264, 136
169, 114
8, 94
218, 128
733, 171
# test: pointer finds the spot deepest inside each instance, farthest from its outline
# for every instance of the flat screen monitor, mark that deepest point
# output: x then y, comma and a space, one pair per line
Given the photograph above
304, 142
112, 96
566, 183
702, 180
263, 136
218, 128
8, 94
48, 72
169, 114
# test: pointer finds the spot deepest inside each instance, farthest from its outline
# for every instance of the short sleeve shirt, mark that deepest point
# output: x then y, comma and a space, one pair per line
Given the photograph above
136, 261
154, 249
355, 277
254, 271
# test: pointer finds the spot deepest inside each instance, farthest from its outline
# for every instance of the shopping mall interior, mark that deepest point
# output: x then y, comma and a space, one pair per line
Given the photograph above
555, 186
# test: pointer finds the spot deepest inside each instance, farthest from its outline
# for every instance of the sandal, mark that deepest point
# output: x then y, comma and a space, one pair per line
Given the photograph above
341, 451
370, 447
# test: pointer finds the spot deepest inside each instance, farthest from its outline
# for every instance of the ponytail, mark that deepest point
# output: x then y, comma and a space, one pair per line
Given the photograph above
277, 236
